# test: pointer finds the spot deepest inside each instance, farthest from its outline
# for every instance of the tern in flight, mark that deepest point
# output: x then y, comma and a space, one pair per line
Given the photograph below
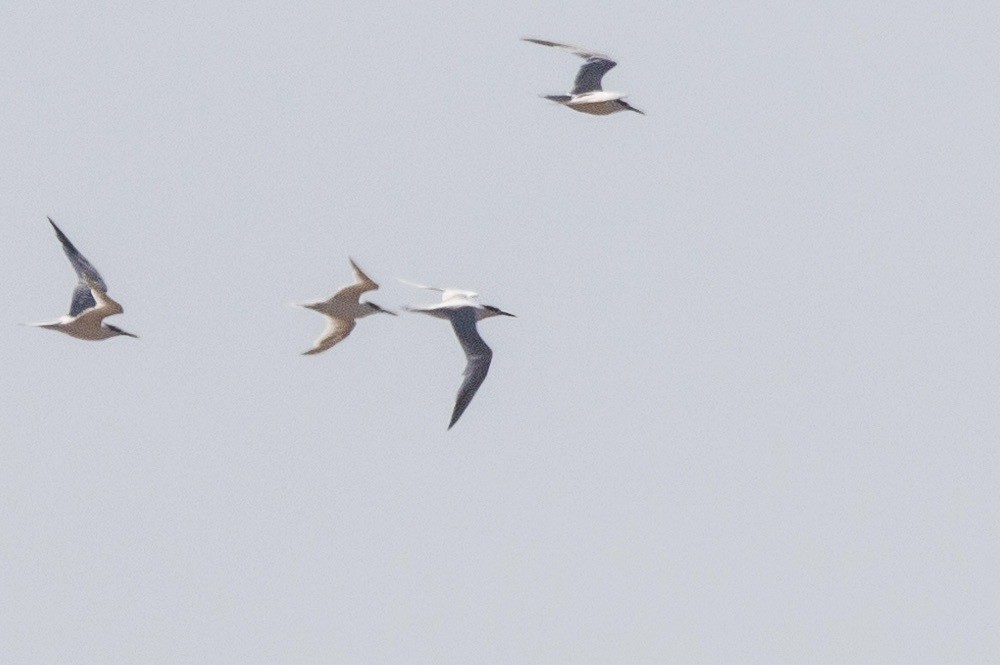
90, 304
342, 309
463, 309
587, 95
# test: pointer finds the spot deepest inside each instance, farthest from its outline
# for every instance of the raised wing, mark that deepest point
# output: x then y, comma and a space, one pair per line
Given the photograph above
446, 294
82, 297
363, 284
103, 306
336, 331
420, 286
478, 357
588, 79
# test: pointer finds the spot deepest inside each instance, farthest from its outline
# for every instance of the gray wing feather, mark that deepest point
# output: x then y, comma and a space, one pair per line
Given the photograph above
82, 297
478, 356
588, 79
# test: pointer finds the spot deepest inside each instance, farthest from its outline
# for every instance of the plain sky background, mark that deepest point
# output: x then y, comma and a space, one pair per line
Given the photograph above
748, 412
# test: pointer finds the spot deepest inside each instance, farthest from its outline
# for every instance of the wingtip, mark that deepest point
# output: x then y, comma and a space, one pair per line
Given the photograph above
361, 274
457, 413
59, 233
414, 284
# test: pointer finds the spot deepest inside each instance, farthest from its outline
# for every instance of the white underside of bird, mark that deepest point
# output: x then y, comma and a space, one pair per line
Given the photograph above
342, 309
594, 103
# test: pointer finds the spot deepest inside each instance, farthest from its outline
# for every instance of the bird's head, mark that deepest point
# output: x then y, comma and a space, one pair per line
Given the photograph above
489, 310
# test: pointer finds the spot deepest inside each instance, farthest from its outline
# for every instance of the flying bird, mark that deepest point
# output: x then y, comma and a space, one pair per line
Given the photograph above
464, 310
90, 304
587, 96
342, 309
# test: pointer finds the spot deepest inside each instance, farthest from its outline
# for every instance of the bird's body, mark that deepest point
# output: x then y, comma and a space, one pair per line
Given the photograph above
342, 309
464, 310
587, 96
90, 303
89, 323
594, 103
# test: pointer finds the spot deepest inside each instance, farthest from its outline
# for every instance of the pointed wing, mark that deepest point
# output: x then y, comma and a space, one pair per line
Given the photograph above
588, 79
420, 286
478, 357
82, 297
446, 294
336, 331
362, 284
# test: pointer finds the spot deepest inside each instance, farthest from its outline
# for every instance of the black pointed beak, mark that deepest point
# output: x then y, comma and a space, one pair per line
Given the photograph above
631, 108
119, 331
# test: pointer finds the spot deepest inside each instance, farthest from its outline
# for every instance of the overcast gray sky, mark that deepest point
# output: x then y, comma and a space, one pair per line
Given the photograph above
748, 412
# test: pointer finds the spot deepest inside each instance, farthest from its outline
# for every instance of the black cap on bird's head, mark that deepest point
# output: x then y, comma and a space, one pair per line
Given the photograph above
496, 311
